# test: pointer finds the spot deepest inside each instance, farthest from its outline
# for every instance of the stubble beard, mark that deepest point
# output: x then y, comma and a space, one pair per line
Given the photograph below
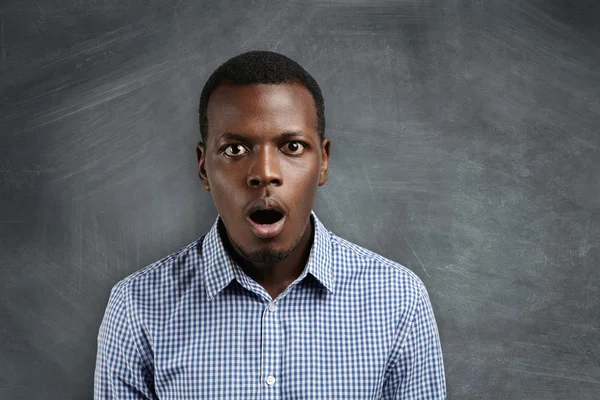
265, 255
260, 256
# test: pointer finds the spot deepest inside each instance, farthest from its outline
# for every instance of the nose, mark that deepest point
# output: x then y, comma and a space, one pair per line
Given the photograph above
265, 170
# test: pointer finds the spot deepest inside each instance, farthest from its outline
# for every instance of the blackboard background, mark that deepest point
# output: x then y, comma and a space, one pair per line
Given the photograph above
465, 146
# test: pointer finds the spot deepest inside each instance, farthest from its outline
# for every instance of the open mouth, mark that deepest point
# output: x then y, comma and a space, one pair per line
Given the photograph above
267, 223
266, 217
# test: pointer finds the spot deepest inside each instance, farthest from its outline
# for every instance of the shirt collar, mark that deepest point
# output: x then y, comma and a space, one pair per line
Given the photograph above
220, 269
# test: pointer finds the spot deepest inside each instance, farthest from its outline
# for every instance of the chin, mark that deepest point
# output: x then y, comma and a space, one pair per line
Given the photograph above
269, 251
265, 252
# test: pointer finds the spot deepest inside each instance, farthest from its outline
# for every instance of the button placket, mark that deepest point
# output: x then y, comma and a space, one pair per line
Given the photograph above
271, 351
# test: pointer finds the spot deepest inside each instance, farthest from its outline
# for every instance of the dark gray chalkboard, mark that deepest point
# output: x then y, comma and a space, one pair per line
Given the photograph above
465, 146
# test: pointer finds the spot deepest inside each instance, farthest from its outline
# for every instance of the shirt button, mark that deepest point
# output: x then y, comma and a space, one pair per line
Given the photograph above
270, 380
272, 307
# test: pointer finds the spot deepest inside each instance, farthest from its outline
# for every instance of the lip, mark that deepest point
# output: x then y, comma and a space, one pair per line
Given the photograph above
269, 230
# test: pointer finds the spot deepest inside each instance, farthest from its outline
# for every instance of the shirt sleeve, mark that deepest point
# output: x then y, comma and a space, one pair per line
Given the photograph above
418, 371
120, 372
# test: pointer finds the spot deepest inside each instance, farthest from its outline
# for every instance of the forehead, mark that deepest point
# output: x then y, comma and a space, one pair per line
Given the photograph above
261, 109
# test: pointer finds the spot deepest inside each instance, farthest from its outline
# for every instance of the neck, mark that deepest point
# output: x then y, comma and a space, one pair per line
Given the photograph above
275, 277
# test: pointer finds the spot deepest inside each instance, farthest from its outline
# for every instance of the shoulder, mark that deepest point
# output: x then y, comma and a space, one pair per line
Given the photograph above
356, 263
169, 266
158, 285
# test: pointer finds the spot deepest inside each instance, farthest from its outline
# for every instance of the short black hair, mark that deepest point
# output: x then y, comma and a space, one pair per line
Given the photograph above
256, 67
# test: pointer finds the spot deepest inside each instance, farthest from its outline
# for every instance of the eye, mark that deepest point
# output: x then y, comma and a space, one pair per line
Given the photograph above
235, 150
294, 148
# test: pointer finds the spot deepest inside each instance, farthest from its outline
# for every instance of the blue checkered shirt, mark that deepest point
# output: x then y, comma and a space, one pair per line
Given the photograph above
354, 325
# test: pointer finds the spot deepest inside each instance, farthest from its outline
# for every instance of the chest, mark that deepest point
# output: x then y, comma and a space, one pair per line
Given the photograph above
322, 348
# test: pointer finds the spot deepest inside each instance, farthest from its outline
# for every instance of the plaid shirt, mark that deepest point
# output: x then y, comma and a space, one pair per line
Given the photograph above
354, 325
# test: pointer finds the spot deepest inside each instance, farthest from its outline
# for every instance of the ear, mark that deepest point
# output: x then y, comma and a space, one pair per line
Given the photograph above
325, 149
201, 158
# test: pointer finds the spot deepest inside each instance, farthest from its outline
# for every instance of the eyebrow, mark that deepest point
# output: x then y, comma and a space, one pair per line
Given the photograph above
233, 136
291, 134
243, 138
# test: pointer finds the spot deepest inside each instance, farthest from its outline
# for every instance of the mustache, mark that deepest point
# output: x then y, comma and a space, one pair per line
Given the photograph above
265, 203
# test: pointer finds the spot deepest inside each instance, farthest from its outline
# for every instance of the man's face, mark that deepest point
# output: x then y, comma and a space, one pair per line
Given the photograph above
262, 162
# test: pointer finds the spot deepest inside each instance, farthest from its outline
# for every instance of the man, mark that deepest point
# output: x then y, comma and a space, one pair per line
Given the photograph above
269, 304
